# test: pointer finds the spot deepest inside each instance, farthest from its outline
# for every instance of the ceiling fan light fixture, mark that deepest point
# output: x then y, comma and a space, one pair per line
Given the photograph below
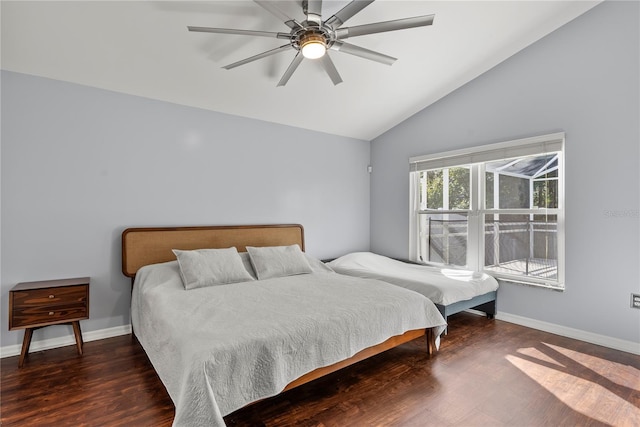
313, 46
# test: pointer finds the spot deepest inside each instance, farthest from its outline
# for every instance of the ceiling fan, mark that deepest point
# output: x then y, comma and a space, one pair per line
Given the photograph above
313, 37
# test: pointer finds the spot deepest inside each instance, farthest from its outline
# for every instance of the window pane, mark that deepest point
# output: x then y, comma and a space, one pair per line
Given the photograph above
522, 245
434, 189
488, 184
443, 238
545, 193
523, 183
459, 183
514, 192
445, 188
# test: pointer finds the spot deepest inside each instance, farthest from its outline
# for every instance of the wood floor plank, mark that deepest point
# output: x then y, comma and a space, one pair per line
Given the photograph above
487, 372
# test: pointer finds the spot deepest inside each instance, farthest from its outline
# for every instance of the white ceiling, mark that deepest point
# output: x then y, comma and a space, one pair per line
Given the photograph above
143, 48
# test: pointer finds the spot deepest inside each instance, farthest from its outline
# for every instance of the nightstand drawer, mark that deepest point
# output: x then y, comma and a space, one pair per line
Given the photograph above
52, 296
41, 315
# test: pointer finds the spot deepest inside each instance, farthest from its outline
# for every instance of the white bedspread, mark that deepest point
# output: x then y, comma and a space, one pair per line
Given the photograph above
441, 285
219, 348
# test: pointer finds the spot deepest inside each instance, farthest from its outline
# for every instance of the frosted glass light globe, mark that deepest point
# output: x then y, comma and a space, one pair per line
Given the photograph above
313, 47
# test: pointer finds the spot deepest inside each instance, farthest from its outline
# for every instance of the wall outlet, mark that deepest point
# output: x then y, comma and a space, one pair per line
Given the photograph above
635, 300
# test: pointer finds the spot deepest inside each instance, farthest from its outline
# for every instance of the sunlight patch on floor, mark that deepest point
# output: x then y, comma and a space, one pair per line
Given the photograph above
624, 375
537, 354
580, 394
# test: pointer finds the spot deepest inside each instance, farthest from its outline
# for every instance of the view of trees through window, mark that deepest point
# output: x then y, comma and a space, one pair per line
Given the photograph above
458, 195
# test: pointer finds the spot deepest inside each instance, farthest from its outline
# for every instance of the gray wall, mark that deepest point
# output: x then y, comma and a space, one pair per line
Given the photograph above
583, 79
79, 165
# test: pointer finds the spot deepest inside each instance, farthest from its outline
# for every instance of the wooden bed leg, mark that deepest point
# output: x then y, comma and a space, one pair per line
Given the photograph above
431, 342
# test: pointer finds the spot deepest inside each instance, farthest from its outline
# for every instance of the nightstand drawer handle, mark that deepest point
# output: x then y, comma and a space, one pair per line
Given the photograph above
51, 313
51, 296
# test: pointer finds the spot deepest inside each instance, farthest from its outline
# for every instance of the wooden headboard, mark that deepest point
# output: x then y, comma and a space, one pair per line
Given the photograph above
152, 245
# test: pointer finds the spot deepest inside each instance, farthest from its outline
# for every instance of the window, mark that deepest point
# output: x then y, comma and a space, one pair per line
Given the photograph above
496, 208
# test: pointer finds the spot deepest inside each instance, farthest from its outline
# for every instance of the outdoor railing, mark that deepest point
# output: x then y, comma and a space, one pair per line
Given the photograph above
529, 242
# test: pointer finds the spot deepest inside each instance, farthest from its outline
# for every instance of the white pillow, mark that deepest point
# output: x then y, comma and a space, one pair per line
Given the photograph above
246, 260
278, 261
317, 266
210, 267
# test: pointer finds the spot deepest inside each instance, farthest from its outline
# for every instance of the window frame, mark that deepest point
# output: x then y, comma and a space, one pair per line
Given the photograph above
476, 158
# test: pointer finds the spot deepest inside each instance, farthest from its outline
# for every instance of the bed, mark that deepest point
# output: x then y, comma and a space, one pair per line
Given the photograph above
219, 348
452, 290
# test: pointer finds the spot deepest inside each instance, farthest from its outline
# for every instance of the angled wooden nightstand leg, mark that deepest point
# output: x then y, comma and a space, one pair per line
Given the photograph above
78, 334
26, 342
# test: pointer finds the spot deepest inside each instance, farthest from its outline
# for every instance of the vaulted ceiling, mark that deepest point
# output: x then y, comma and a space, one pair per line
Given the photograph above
143, 48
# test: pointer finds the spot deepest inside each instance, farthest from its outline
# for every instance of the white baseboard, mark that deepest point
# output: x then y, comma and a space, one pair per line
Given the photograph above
603, 340
14, 350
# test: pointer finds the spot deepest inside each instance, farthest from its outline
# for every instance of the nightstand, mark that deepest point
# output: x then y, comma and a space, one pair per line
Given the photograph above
34, 305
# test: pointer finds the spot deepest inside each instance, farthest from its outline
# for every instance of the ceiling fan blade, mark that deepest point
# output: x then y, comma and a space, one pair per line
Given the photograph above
258, 56
289, 22
292, 67
239, 32
363, 53
330, 68
381, 27
336, 21
313, 10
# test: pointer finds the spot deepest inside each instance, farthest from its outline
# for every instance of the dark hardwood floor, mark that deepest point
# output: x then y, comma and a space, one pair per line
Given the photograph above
487, 373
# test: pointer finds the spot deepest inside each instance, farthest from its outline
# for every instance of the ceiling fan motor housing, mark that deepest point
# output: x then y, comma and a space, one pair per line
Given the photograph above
312, 33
